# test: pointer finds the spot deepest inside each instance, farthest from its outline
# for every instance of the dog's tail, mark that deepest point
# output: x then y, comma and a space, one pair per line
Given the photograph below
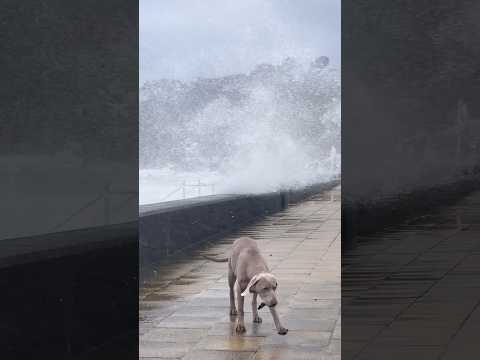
223, 260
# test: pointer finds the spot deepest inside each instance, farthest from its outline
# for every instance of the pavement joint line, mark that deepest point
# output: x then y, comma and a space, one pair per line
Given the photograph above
457, 331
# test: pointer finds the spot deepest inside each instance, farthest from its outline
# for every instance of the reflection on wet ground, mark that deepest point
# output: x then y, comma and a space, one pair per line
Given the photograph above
413, 292
184, 312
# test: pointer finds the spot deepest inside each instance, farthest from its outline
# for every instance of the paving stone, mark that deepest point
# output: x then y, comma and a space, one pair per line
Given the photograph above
401, 353
173, 335
310, 324
155, 349
276, 352
266, 328
219, 355
300, 338
186, 322
230, 343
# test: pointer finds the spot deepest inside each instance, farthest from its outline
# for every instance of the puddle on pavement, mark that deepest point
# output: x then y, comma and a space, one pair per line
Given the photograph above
194, 277
183, 281
160, 297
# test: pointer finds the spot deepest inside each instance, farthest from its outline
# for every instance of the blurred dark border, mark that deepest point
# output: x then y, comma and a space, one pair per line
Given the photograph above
410, 146
69, 175
410, 109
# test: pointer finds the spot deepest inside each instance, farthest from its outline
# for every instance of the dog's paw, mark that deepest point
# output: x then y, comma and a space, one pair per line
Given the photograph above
240, 328
282, 331
257, 319
233, 312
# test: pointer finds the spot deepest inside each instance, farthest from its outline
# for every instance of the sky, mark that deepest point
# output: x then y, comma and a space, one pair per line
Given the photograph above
188, 39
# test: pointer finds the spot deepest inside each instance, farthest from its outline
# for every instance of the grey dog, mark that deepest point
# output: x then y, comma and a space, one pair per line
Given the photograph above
248, 272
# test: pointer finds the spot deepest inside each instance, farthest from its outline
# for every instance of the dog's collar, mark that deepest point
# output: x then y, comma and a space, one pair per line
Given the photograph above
263, 273
263, 304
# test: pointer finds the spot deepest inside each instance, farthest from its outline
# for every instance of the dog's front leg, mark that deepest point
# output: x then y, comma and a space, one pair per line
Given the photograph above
280, 329
256, 318
240, 321
231, 284
233, 310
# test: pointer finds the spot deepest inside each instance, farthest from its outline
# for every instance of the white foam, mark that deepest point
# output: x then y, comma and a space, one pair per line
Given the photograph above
265, 144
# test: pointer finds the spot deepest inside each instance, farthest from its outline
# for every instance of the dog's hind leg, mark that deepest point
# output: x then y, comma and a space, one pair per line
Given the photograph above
231, 285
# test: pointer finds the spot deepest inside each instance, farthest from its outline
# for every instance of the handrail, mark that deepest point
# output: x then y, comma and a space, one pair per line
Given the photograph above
171, 193
184, 187
107, 192
77, 212
103, 196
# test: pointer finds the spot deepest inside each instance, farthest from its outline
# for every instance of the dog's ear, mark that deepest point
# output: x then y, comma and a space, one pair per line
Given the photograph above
273, 281
252, 282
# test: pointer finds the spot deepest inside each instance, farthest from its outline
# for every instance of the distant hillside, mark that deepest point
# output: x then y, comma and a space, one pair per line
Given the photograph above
204, 123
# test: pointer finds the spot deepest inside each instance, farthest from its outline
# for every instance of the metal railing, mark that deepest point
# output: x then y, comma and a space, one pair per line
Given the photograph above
185, 186
107, 209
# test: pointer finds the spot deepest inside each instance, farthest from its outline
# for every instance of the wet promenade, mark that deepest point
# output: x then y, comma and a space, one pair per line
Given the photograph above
184, 312
413, 291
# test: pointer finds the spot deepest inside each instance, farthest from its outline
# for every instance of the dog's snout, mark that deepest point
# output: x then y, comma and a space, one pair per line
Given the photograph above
274, 303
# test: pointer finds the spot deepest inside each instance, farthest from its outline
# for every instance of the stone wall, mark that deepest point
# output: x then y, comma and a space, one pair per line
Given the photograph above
169, 228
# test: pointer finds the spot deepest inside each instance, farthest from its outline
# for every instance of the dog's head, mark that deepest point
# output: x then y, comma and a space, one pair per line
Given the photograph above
263, 284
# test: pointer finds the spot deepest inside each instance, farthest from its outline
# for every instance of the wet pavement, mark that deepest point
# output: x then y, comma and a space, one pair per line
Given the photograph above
184, 311
413, 291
